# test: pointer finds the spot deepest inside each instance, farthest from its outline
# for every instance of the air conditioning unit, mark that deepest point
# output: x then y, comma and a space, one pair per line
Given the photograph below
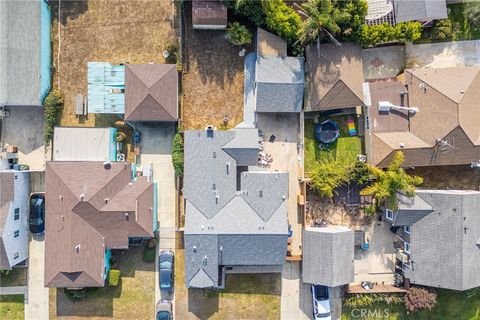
402, 257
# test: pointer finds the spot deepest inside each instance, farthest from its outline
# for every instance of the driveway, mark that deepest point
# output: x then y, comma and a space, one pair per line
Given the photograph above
36, 302
156, 149
24, 129
296, 301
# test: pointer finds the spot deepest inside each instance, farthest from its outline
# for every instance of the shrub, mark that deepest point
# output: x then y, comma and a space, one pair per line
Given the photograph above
383, 33
172, 54
120, 136
149, 254
52, 106
444, 29
177, 154
327, 176
359, 173
281, 19
250, 9
419, 298
367, 299
113, 277
238, 34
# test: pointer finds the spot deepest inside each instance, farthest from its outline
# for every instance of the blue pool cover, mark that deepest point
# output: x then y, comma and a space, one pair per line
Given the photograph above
106, 88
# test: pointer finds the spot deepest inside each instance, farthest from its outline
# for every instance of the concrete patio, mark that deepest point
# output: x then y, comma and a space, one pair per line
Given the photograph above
377, 264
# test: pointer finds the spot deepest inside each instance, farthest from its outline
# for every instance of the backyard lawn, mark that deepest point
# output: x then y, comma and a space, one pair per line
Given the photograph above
345, 149
16, 277
12, 307
133, 298
450, 305
247, 296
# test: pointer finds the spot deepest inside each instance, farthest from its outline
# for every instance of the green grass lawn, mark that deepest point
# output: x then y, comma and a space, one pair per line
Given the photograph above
467, 32
12, 307
450, 305
345, 149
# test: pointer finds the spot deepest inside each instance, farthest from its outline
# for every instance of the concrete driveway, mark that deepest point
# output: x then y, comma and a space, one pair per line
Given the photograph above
24, 129
296, 300
156, 149
36, 302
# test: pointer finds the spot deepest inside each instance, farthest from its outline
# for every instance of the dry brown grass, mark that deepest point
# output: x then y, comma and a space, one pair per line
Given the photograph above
451, 177
247, 296
213, 79
107, 30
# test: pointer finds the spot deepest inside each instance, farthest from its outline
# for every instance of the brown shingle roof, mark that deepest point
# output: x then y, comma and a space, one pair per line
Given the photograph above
209, 13
448, 100
335, 77
6, 195
79, 231
151, 92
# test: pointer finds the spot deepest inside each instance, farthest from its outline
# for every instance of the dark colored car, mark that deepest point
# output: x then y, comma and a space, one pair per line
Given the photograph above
36, 219
165, 270
164, 310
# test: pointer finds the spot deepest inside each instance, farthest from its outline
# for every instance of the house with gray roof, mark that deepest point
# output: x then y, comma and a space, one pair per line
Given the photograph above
440, 235
25, 52
419, 10
328, 255
235, 212
274, 82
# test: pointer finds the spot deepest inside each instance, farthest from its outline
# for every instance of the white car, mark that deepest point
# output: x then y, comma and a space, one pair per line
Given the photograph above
321, 302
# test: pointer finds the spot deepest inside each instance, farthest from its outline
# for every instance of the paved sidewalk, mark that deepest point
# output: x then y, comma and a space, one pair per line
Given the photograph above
13, 290
36, 303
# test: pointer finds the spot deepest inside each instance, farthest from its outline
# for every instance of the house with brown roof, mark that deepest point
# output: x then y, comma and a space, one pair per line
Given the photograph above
92, 207
14, 193
433, 118
151, 92
334, 77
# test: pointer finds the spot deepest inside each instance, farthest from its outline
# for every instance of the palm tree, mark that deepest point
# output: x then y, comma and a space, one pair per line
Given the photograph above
320, 17
389, 182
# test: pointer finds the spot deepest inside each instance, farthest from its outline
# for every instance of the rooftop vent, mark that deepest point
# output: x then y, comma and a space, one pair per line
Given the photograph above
107, 165
194, 249
205, 261
82, 196
106, 200
214, 186
127, 216
77, 248
402, 145
260, 193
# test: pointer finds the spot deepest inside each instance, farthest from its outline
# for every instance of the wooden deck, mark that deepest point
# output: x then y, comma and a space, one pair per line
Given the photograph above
378, 288
294, 258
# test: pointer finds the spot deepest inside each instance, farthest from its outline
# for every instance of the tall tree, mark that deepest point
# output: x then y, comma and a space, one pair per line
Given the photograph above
472, 12
389, 182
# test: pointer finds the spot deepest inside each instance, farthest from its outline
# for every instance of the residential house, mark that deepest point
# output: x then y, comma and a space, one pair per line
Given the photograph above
334, 78
209, 15
92, 207
397, 11
14, 195
328, 255
141, 92
151, 92
439, 232
25, 52
433, 118
235, 212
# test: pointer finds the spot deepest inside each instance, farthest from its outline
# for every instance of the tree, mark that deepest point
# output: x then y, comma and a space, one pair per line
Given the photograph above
281, 19
238, 34
445, 29
419, 298
327, 176
250, 9
389, 182
472, 13
330, 18
53, 105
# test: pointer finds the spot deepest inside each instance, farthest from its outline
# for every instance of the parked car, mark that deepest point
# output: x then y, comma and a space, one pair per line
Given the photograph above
36, 219
164, 310
165, 270
321, 302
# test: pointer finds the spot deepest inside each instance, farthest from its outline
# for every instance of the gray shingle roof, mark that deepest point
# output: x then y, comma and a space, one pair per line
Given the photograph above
237, 228
20, 31
279, 84
443, 244
410, 10
410, 210
328, 255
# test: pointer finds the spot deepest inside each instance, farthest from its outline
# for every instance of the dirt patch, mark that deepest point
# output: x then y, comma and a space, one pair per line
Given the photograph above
247, 296
112, 31
449, 177
213, 79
